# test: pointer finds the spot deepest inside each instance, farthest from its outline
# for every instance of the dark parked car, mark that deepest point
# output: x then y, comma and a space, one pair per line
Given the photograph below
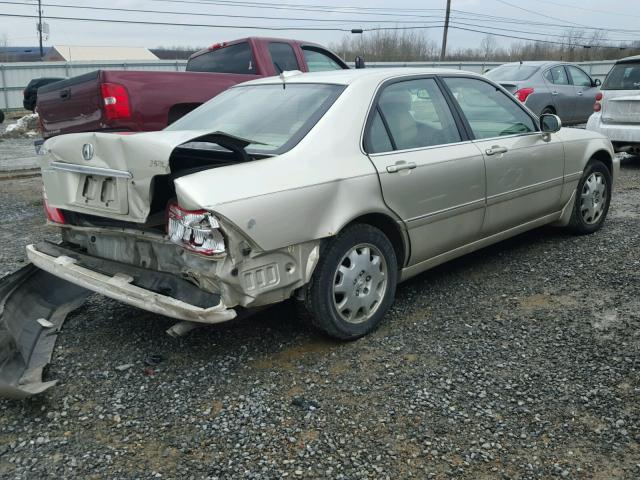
31, 91
562, 89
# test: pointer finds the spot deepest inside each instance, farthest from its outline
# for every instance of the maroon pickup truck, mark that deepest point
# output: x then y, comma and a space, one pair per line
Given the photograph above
127, 100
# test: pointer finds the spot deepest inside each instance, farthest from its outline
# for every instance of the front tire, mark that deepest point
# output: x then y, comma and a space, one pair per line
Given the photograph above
354, 283
593, 197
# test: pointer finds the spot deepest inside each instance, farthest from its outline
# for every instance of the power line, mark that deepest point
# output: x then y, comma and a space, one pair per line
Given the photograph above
10, 2
293, 28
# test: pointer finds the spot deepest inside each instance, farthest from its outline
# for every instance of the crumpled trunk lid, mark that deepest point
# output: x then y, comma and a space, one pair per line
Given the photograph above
108, 174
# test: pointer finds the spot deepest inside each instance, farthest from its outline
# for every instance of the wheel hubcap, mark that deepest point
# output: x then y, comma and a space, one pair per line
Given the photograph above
360, 283
593, 198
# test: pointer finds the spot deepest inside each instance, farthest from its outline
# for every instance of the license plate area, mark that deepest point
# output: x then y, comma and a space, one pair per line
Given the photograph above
102, 192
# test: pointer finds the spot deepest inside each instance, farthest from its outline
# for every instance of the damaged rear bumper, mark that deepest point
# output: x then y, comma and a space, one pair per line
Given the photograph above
123, 283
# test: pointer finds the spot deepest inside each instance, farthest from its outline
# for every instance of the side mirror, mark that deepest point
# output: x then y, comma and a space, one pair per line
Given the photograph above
359, 61
597, 82
550, 123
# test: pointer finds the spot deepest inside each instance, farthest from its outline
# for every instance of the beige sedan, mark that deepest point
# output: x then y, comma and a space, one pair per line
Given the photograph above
329, 188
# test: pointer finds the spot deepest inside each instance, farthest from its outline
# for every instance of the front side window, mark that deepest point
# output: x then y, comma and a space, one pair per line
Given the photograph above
417, 114
489, 111
556, 75
283, 56
236, 58
623, 76
578, 77
318, 61
271, 117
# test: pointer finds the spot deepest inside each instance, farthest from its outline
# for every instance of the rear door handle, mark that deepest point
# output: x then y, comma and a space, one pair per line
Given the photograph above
401, 165
496, 149
579, 93
554, 93
64, 94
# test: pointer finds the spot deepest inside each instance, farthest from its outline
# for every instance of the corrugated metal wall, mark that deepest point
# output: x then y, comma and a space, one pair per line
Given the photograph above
15, 76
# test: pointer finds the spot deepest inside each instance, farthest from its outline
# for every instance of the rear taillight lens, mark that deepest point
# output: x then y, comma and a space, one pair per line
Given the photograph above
598, 106
522, 93
195, 230
53, 214
116, 101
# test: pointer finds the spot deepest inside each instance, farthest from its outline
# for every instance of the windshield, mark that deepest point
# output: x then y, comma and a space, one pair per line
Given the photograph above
273, 118
511, 73
623, 76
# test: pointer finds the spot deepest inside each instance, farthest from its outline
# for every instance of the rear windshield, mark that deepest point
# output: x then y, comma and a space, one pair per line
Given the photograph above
273, 118
623, 76
236, 58
511, 73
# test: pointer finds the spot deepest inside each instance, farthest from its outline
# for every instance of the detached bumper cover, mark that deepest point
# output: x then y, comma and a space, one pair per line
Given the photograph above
33, 307
120, 286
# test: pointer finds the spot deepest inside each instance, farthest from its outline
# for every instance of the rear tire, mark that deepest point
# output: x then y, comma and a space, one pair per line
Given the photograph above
354, 283
593, 197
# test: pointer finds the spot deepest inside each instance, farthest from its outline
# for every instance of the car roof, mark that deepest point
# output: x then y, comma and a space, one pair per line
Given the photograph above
347, 77
632, 59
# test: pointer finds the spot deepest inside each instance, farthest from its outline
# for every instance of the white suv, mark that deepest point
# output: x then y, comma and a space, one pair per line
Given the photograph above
617, 108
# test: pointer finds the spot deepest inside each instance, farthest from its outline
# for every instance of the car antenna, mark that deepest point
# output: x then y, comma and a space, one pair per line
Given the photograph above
281, 75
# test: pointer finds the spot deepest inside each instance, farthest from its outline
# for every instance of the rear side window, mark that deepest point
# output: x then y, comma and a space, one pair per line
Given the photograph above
283, 55
377, 139
417, 115
318, 61
623, 76
556, 75
236, 58
578, 77
489, 111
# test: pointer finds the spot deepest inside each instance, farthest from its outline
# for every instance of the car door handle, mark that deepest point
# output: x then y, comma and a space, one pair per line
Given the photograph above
554, 93
401, 165
496, 149
579, 93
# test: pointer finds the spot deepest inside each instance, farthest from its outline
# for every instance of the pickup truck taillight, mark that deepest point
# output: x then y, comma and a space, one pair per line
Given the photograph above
598, 106
53, 214
522, 93
115, 100
195, 230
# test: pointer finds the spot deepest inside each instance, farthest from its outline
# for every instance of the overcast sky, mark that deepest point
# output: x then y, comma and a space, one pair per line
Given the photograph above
613, 14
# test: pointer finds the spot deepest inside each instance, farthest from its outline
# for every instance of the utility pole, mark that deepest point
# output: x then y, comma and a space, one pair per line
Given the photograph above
40, 28
444, 34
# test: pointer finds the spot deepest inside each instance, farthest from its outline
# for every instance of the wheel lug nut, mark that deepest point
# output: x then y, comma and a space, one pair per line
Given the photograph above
368, 278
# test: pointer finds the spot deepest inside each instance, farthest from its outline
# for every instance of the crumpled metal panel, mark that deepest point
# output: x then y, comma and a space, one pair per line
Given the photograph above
33, 307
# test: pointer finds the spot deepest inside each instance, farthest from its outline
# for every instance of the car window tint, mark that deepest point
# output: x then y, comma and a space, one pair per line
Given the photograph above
578, 77
283, 55
318, 61
232, 59
489, 111
623, 76
377, 137
417, 114
557, 75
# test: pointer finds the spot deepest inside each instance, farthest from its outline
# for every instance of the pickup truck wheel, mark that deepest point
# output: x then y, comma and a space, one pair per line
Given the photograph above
593, 197
354, 283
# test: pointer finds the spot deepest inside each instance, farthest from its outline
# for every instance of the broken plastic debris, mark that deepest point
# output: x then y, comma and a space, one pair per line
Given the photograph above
124, 366
45, 323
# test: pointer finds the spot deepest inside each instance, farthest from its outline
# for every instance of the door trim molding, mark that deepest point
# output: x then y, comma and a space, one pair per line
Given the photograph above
445, 213
522, 191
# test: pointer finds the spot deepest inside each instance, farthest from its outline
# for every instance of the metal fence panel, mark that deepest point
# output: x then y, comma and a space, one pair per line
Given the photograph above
15, 76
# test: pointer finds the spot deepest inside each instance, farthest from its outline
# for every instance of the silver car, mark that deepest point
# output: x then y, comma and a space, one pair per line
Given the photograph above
563, 89
617, 108
329, 188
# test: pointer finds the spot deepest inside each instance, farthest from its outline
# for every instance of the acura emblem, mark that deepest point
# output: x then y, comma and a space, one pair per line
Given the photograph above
87, 151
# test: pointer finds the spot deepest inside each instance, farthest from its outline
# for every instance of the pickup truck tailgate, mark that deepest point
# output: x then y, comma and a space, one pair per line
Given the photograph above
108, 174
77, 100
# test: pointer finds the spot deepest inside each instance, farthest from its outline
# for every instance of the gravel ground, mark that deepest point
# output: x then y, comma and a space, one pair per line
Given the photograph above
519, 361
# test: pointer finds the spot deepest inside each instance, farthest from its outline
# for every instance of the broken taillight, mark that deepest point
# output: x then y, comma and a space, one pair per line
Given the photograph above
53, 214
195, 230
